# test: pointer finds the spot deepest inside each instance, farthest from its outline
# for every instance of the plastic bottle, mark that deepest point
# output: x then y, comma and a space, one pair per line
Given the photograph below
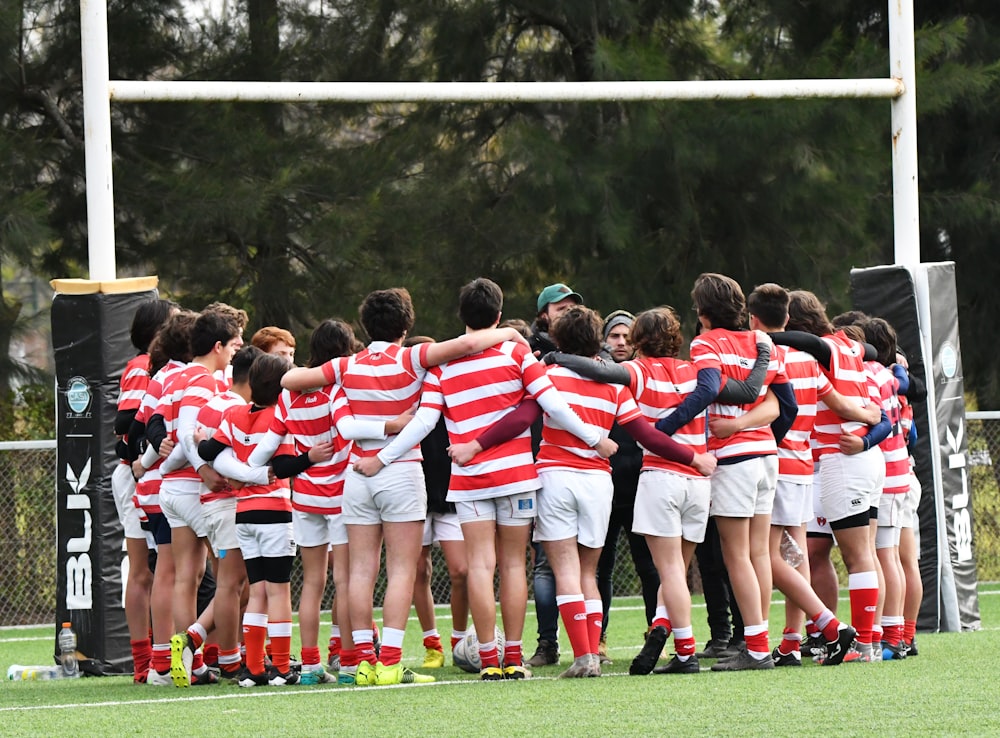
67, 651
791, 552
17, 672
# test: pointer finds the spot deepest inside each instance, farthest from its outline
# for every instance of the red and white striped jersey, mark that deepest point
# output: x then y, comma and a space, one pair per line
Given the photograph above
659, 384
597, 404
475, 392
210, 418
734, 353
192, 387
147, 489
304, 420
848, 376
242, 430
135, 379
795, 461
897, 459
381, 382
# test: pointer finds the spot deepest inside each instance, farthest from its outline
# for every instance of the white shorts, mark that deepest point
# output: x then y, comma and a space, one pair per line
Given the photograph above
793, 504
182, 509
513, 510
123, 490
442, 527
265, 540
220, 525
744, 489
848, 483
890, 515
911, 501
818, 523
574, 504
317, 529
395, 495
669, 505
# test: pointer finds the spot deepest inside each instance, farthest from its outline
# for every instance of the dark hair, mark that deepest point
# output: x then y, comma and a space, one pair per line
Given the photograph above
854, 331
416, 340
882, 336
265, 379
387, 315
720, 299
769, 304
480, 303
173, 341
242, 361
806, 313
212, 327
330, 340
656, 332
578, 331
851, 317
148, 319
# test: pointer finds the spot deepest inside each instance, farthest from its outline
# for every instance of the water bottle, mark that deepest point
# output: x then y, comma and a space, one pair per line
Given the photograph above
67, 651
791, 552
17, 672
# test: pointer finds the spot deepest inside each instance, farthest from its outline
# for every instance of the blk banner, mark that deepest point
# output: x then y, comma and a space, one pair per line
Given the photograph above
90, 336
923, 308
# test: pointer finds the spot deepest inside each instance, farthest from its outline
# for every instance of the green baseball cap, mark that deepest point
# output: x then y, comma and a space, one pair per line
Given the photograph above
556, 293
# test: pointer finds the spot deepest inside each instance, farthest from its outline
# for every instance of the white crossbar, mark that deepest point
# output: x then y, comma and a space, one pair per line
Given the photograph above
372, 92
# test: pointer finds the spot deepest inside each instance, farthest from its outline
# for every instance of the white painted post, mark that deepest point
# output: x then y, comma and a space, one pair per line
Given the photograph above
903, 67
97, 139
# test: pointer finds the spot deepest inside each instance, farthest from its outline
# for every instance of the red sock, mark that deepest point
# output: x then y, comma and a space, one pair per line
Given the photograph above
161, 657
390, 655
211, 652
454, 642
758, 643
334, 646
229, 661
310, 655
512, 655
254, 637
789, 641
198, 662
142, 654
281, 644
489, 657
433, 642
574, 617
195, 637
594, 627
831, 630
909, 630
864, 600
349, 657
665, 622
684, 646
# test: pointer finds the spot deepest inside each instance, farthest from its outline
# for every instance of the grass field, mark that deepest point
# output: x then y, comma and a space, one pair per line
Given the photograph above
949, 689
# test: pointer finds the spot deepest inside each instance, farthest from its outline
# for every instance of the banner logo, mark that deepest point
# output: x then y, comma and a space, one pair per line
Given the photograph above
78, 395
79, 566
949, 360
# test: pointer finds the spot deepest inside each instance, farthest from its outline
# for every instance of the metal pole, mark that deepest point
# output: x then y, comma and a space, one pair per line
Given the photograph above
903, 67
469, 92
97, 139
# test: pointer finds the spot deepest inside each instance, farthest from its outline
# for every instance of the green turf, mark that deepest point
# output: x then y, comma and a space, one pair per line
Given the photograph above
949, 689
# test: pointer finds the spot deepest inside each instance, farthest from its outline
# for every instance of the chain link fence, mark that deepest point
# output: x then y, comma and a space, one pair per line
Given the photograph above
28, 534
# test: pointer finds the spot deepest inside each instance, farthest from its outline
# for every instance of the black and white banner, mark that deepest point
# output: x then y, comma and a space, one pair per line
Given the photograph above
90, 336
922, 306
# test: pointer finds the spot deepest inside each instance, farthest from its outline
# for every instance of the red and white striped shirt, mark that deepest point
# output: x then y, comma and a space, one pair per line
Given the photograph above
848, 376
381, 382
733, 353
597, 404
897, 459
659, 384
242, 430
147, 489
187, 391
306, 419
795, 461
210, 418
135, 379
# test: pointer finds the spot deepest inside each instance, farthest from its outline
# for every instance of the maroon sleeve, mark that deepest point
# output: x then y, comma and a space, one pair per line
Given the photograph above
659, 443
511, 425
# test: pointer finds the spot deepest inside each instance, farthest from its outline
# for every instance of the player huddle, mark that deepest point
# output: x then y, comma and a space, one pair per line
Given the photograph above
230, 451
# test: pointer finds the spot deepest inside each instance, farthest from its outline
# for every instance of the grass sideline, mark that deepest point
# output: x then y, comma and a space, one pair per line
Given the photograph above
941, 692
